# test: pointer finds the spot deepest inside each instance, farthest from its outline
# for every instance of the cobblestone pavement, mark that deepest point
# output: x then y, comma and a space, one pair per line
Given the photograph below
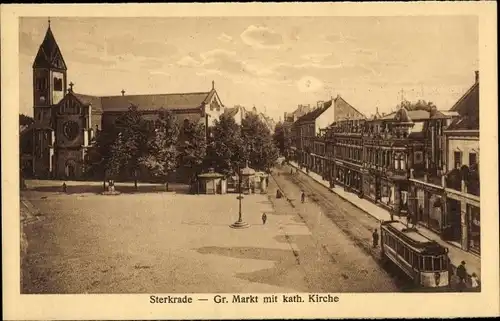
352, 222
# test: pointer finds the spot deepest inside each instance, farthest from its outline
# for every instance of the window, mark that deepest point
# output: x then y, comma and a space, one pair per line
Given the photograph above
457, 156
58, 84
427, 263
418, 158
437, 264
472, 159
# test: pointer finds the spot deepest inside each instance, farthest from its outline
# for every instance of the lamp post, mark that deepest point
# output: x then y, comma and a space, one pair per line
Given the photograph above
239, 224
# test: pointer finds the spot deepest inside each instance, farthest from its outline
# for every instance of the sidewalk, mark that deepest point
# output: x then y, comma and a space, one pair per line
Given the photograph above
456, 255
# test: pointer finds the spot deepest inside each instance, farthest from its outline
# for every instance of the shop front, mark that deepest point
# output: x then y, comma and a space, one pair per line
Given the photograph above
427, 204
369, 182
474, 229
387, 193
462, 220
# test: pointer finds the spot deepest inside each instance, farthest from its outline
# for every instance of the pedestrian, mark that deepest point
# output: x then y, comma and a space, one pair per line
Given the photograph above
474, 281
264, 218
278, 193
375, 238
291, 171
64, 187
302, 196
462, 274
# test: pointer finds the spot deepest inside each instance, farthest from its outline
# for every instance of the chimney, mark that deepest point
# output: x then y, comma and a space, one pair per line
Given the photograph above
319, 104
477, 76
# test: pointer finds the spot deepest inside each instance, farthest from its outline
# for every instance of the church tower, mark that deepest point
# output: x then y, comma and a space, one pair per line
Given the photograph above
49, 88
49, 79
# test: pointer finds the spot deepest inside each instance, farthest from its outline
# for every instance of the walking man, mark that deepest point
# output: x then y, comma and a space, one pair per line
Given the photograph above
462, 275
64, 187
302, 196
375, 238
264, 218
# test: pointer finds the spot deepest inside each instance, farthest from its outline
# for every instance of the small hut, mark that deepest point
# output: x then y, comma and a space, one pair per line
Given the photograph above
211, 182
247, 180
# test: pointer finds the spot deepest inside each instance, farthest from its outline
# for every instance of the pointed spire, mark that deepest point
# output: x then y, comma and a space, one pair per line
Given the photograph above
49, 55
213, 84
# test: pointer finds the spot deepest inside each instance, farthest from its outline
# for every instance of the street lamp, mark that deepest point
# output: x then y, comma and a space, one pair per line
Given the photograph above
239, 224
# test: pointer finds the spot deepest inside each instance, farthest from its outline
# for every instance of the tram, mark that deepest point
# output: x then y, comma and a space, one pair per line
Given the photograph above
425, 261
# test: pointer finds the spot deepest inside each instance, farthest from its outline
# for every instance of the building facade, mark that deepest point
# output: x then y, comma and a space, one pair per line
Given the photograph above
66, 121
309, 133
417, 162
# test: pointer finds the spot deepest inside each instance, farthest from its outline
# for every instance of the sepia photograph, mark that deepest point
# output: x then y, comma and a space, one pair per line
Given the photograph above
251, 159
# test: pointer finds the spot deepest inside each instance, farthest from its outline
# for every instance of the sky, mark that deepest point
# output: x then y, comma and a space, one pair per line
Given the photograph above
273, 63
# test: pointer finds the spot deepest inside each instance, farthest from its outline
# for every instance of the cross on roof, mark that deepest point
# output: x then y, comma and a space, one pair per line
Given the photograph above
123, 92
71, 84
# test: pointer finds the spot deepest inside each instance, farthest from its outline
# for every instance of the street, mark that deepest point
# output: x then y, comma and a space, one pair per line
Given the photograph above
342, 231
353, 222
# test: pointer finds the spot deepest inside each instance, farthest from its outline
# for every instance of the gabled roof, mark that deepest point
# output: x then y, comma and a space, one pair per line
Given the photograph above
49, 55
468, 104
315, 113
468, 109
351, 107
147, 102
87, 100
464, 123
156, 101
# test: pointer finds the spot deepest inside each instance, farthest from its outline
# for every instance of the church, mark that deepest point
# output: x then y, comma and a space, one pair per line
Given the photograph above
65, 122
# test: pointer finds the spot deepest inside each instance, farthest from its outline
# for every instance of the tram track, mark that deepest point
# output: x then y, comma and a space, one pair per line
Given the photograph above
353, 223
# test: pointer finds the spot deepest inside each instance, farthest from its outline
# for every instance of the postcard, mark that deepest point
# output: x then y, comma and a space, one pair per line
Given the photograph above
237, 160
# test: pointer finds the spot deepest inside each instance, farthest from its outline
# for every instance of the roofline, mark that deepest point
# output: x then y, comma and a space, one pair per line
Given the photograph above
351, 106
167, 94
476, 84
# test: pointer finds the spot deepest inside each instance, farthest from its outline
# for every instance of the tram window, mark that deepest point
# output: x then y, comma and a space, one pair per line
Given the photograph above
427, 263
405, 254
437, 264
444, 262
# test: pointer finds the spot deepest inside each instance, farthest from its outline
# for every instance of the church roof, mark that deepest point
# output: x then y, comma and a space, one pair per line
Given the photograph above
94, 101
147, 102
49, 55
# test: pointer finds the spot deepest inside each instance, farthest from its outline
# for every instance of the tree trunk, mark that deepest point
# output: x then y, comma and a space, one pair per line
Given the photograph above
166, 185
104, 183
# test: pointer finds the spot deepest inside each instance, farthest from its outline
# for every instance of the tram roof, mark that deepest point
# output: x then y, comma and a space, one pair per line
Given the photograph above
414, 238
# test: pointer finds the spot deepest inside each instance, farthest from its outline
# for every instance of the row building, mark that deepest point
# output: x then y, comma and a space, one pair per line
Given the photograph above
418, 161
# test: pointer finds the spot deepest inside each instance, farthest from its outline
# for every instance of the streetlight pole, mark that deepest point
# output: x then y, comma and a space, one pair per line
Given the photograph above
239, 224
